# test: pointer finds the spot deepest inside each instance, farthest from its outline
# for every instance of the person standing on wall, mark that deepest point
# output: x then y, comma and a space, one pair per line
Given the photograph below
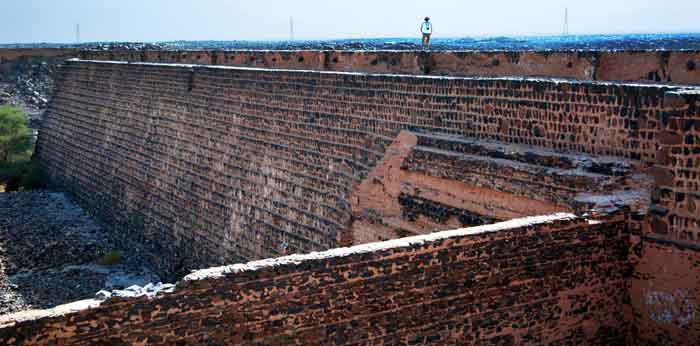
427, 29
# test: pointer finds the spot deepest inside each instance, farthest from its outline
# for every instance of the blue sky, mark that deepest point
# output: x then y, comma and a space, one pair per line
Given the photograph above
159, 20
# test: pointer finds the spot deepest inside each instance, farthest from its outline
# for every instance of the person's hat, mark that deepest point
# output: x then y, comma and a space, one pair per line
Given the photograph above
427, 19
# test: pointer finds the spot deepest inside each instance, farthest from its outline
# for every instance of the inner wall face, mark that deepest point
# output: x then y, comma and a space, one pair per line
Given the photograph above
208, 166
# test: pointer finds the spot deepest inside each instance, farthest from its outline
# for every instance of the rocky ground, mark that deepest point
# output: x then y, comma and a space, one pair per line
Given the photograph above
51, 253
28, 84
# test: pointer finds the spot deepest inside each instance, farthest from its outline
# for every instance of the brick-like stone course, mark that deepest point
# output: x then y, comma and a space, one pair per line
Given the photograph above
214, 165
551, 280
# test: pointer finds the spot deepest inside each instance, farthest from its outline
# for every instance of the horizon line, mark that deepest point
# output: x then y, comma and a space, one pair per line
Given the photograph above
358, 38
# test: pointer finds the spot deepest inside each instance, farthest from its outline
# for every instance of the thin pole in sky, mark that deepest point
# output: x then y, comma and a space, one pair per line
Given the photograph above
291, 29
77, 33
566, 21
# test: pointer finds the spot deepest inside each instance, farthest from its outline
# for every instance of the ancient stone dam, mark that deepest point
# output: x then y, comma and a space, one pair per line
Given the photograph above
383, 207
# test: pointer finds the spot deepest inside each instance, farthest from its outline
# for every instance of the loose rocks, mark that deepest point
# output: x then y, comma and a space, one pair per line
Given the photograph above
48, 253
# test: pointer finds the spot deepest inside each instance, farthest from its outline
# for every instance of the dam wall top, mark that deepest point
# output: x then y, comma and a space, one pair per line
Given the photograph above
677, 67
663, 66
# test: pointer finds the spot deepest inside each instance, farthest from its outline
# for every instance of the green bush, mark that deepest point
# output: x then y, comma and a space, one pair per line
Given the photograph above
17, 170
15, 137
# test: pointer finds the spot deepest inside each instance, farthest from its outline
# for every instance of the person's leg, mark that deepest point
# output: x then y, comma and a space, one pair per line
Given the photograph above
424, 43
427, 41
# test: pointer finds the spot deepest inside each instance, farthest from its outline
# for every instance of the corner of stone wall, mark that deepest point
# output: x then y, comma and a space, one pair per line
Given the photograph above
664, 292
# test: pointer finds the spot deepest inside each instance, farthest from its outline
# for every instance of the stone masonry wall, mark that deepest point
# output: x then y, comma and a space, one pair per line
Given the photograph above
681, 67
215, 165
547, 280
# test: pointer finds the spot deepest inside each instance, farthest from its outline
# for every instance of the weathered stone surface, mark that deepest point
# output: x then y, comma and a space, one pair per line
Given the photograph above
665, 294
663, 176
